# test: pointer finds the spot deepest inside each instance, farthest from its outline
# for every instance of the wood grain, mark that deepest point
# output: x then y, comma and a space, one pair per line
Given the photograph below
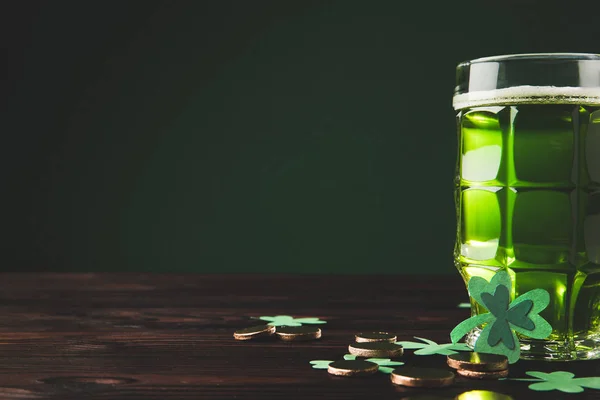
166, 336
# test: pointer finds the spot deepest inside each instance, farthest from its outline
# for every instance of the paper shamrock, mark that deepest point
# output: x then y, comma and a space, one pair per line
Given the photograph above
288, 320
385, 364
320, 364
560, 380
430, 347
504, 319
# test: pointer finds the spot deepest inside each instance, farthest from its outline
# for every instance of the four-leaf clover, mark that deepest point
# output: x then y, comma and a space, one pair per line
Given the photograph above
430, 347
504, 319
560, 380
288, 320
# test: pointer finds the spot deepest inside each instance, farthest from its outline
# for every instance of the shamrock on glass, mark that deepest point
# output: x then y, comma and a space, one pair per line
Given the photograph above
505, 318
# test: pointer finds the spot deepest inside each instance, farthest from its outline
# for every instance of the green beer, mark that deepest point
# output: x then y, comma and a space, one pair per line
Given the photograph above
528, 190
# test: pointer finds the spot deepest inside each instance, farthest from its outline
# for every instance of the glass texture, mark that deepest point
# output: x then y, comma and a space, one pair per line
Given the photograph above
527, 188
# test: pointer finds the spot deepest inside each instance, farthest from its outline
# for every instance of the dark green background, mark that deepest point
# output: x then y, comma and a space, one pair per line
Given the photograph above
245, 136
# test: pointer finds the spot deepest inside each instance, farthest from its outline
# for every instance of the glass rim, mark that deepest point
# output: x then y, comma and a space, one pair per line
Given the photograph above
532, 78
534, 57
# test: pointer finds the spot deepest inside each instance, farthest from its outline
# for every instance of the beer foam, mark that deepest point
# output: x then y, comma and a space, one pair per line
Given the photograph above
528, 95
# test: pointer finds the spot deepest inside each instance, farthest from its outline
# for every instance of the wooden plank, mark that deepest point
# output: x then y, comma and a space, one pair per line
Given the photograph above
149, 336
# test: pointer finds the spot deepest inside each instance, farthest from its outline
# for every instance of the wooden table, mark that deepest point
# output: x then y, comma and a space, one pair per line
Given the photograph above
146, 336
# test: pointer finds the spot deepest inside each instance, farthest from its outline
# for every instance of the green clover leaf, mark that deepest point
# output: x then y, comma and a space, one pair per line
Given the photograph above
504, 319
540, 299
385, 364
288, 320
498, 305
320, 364
478, 285
430, 347
482, 346
560, 380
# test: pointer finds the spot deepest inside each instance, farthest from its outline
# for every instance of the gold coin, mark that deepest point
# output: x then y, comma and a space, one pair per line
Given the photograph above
422, 377
289, 333
352, 368
482, 395
482, 374
478, 361
254, 332
376, 349
364, 337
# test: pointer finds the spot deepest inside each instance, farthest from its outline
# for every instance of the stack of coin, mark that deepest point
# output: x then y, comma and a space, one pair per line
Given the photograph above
254, 332
375, 344
286, 333
364, 337
352, 368
422, 377
293, 333
376, 349
479, 365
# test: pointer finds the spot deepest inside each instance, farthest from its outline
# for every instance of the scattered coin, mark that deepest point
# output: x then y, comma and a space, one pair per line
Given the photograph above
290, 333
254, 332
422, 377
482, 395
352, 368
376, 349
482, 374
478, 361
364, 337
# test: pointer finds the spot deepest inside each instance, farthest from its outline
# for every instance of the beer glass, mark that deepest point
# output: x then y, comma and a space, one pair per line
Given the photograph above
527, 189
